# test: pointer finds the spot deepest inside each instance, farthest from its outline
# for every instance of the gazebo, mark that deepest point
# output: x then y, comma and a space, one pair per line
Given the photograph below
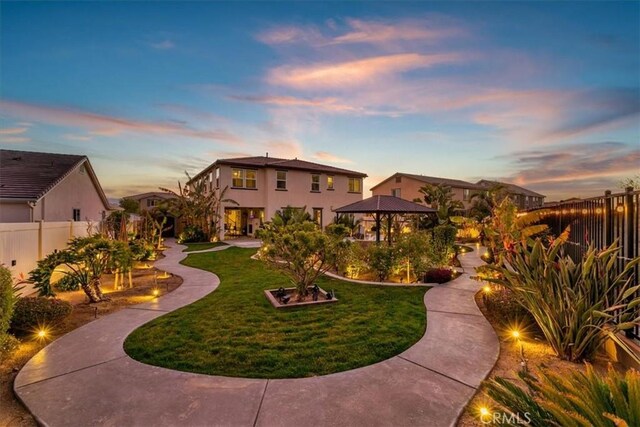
380, 206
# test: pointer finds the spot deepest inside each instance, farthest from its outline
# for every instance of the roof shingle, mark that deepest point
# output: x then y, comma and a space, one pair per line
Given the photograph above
384, 204
30, 175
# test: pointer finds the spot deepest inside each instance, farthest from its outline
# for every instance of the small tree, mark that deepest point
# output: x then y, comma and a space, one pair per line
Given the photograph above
412, 251
300, 250
129, 206
291, 215
88, 258
382, 260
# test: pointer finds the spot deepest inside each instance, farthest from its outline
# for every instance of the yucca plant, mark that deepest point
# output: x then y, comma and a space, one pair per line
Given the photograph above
581, 399
576, 305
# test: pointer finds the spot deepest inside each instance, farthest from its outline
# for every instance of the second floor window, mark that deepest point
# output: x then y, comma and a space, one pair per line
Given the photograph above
151, 203
244, 178
281, 180
315, 183
466, 194
329, 183
355, 185
395, 192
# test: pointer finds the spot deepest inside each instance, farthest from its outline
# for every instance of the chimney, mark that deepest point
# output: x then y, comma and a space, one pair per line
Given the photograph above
267, 154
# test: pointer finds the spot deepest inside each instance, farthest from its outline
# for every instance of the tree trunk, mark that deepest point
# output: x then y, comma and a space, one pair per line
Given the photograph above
89, 290
95, 284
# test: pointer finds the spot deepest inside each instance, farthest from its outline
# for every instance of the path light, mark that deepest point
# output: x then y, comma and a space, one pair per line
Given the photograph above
155, 292
486, 289
42, 333
164, 275
485, 414
515, 334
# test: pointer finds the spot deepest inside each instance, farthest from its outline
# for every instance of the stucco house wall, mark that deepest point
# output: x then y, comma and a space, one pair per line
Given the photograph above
410, 190
15, 212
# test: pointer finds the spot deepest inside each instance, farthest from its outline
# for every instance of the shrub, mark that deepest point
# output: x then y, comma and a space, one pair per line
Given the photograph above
32, 312
141, 250
192, 234
381, 259
413, 250
438, 275
505, 308
41, 275
579, 399
7, 343
443, 240
577, 306
7, 299
67, 284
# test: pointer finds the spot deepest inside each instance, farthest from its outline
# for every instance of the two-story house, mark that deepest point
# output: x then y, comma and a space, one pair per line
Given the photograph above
263, 185
521, 197
407, 186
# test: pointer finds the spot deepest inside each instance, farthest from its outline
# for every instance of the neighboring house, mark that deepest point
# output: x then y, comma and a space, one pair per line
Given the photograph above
49, 187
150, 200
523, 198
407, 186
263, 185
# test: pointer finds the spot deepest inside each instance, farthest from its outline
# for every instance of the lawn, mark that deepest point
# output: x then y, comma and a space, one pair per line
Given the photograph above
202, 246
235, 331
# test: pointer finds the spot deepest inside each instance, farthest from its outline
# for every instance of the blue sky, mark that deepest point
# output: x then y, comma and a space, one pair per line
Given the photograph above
545, 95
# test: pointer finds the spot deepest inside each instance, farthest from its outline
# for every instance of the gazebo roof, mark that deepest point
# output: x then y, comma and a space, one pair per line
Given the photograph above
385, 205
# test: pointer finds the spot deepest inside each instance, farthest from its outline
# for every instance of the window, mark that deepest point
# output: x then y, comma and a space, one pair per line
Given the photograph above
152, 202
329, 182
251, 179
217, 177
242, 178
466, 194
395, 192
317, 216
315, 183
281, 180
76, 214
355, 185
237, 178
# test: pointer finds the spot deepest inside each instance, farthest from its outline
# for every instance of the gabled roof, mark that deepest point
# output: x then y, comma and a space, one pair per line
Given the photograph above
510, 188
274, 162
454, 183
384, 204
157, 194
30, 175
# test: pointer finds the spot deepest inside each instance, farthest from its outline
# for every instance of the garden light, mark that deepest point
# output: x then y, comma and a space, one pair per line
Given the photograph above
484, 411
155, 292
486, 289
620, 208
42, 333
515, 334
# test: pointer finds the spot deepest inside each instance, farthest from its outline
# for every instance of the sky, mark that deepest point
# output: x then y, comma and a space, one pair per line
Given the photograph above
545, 95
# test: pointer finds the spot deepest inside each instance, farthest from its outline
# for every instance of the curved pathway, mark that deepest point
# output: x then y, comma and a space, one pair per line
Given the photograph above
85, 377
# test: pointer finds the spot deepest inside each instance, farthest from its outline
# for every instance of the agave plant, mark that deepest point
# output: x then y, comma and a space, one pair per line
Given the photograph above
576, 305
578, 400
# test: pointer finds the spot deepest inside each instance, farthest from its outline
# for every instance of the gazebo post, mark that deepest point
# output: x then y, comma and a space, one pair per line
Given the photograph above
378, 222
389, 228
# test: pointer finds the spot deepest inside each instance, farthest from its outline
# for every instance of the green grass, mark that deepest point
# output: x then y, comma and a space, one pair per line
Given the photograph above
235, 331
202, 246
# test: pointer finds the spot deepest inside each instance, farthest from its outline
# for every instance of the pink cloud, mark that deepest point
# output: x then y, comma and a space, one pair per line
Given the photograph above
328, 157
104, 125
283, 148
13, 131
354, 73
74, 137
328, 104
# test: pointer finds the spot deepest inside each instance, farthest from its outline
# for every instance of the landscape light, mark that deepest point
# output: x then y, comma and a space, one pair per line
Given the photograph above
620, 208
515, 333
155, 292
487, 289
484, 411
598, 211
584, 211
42, 333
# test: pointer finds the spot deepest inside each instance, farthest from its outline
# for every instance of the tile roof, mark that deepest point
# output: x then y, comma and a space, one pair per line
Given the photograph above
511, 188
30, 175
159, 194
457, 183
384, 204
274, 162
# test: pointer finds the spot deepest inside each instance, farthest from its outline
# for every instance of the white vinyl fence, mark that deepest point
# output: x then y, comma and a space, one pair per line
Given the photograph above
22, 244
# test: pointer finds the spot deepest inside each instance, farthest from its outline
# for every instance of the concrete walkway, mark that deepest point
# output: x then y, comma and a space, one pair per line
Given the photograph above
85, 377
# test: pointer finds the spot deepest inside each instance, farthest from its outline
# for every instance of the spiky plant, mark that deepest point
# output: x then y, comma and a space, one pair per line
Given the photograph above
576, 305
581, 399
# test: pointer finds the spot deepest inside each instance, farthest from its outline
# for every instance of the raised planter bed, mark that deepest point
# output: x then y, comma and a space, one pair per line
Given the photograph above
291, 299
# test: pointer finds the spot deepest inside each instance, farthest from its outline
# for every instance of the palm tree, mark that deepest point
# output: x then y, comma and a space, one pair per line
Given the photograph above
198, 207
290, 215
483, 202
350, 222
440, 198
